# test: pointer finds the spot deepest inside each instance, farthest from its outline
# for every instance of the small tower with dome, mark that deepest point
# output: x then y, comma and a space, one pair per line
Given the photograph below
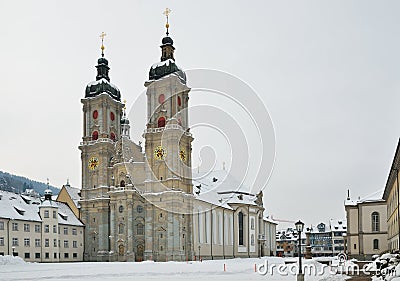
48, 211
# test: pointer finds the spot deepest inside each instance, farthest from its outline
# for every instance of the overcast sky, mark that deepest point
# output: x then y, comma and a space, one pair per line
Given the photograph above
328, 72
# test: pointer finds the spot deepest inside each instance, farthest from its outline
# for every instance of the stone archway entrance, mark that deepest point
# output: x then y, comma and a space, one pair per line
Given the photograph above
139, 252
121, 253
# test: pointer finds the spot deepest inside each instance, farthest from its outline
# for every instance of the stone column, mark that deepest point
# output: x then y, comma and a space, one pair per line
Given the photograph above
131, 255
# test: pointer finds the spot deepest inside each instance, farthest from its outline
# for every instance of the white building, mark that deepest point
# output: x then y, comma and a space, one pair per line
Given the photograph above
328, 239
39, 230
367, 227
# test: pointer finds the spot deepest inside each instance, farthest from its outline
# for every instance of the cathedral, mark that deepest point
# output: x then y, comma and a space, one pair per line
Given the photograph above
144, 203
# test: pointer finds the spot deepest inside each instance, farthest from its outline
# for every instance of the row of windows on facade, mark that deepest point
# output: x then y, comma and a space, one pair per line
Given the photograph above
375, 245
160, 122
228, 224
139, 208
95, 136
393, 226
46, 255
337, 248
393, 202
27, 228
139, 229
27, 242
161, 99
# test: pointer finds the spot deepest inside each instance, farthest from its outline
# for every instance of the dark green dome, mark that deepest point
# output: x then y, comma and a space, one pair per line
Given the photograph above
164, 68
102, 83
102, 86
102, 60
167, 41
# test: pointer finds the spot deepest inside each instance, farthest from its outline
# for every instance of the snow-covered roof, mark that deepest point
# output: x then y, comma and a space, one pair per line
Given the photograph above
374, 197
161, 63
11, 203
66, 216
102, 80
268, 219
74, 194
338, 225
334, 225
21, 207
287, 235
221, 189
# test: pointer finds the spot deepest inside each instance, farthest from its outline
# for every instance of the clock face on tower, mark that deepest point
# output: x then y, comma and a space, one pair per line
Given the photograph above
159, 153
93, 163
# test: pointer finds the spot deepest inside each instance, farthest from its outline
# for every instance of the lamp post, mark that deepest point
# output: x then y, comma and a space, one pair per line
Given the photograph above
299, 228
199, 252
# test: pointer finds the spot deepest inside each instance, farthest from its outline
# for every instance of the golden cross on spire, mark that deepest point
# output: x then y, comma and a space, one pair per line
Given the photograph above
166, 13
102, 35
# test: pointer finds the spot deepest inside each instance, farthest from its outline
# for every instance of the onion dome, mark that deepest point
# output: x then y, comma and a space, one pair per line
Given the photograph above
102, 83
167, 65
167, 41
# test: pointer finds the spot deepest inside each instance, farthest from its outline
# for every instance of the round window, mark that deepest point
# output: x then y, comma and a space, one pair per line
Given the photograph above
161, 98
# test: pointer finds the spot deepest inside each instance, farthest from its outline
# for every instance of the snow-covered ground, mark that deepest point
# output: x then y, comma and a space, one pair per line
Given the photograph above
236, 269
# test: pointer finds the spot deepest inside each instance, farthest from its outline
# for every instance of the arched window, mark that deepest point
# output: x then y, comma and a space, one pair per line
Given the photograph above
220, 230
122, 184
376, 244
95, 135
112, 136
95, 114
161, 122
208, 227
226, 227
214, 231
121, 228
230, 229
179, 101
200, 225
241, 228
252, 240
375, 221
139, 209
140, 230
161, 98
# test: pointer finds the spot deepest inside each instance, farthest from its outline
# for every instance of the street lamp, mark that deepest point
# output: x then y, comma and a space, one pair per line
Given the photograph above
299, 228
199, 252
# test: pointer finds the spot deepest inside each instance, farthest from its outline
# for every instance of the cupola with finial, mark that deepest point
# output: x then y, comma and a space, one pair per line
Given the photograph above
167, 48
125, 127
48, 193
102, 83
167, 64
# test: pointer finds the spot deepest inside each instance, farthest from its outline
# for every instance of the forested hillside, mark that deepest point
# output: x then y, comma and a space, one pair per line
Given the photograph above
19, 184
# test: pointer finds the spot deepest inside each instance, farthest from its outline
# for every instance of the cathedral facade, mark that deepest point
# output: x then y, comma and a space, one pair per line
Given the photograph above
139, 203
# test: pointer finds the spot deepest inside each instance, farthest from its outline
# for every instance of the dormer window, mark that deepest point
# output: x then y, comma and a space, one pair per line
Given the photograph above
63, 216
19, 210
